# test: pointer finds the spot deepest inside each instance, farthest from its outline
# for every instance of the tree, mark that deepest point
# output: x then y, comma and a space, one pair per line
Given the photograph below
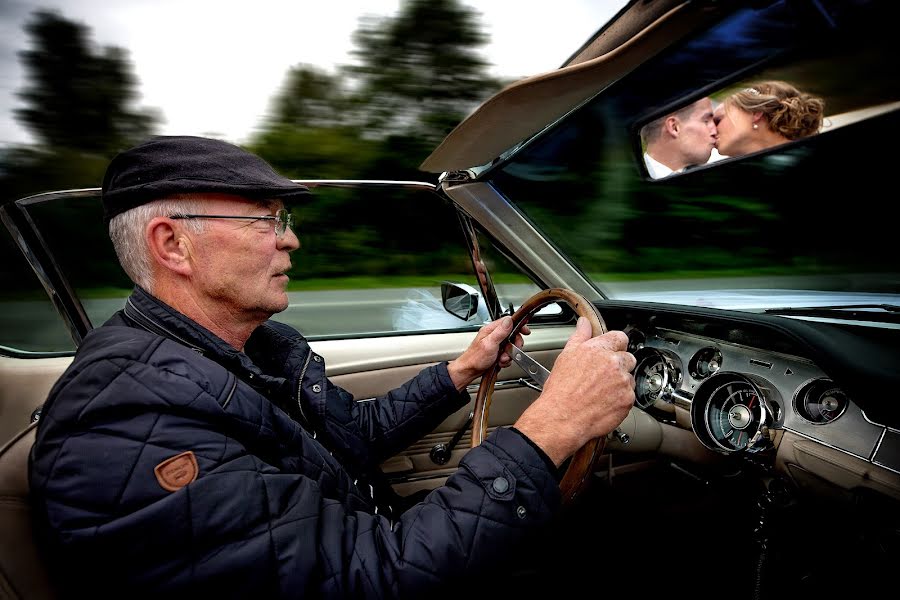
419, 72
78, 97
310, 98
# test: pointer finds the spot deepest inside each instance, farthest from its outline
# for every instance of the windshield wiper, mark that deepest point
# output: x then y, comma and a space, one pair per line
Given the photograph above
885, 313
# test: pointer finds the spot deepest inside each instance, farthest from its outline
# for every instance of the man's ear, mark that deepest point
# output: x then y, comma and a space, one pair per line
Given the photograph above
169, 248
671, 126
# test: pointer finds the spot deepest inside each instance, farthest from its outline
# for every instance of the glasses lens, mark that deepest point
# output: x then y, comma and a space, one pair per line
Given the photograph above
282, 221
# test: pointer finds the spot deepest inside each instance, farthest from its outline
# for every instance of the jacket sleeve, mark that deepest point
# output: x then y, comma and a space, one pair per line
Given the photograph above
270, 513
368, 431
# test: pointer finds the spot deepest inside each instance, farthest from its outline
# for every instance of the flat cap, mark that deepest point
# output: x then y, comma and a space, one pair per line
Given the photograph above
166, 165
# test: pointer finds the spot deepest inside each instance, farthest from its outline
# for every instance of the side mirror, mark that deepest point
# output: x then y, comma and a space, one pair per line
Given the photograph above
459, 299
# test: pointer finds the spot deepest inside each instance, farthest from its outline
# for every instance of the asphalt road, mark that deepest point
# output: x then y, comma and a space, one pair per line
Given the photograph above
35, 326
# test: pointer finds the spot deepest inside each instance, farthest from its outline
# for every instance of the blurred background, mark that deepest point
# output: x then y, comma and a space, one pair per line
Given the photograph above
349, 89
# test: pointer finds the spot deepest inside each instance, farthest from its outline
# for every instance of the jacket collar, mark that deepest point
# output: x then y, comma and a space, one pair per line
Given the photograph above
274, 352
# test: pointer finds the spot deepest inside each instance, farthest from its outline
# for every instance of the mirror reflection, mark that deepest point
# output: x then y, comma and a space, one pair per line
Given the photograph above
766, 114
749, 117
730, 123
680, 139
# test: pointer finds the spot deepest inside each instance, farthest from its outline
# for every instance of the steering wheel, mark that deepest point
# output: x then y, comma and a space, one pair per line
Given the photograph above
583, 461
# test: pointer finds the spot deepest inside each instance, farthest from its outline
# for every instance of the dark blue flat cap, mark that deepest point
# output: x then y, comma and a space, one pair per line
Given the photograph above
167, 165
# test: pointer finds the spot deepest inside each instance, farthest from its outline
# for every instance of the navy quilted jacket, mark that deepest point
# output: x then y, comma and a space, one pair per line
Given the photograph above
274, 510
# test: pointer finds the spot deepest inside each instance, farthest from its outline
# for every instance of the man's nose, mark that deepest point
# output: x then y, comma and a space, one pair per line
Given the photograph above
289, 241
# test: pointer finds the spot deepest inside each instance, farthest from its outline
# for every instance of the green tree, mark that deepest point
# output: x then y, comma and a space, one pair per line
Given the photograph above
310, 98
419, 72
78, 96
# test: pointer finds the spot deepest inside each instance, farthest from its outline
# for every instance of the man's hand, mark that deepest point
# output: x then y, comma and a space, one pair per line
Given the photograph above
589, 392
483, 351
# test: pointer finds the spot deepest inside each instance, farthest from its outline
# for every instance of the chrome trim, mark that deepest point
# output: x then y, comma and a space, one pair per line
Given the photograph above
682, 399
486, 283
49, 196
311, 183
878, 444
360, 183
538, 372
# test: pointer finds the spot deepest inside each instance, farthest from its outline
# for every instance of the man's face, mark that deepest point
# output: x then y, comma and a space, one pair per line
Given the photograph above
239, 265
697, 135
735, 130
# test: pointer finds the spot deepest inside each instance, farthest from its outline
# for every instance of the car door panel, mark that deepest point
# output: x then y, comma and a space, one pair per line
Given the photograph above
24, 385
372, 366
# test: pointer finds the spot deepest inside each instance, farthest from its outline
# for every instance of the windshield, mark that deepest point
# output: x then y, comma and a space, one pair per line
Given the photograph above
803, 224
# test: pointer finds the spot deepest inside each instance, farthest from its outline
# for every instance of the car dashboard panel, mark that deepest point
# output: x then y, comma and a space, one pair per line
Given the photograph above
750, 387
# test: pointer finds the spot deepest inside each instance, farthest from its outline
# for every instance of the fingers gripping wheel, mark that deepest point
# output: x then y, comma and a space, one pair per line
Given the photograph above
583, 461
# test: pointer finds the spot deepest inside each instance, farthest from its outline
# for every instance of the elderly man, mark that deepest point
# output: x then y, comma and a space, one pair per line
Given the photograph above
684, 138
194, 446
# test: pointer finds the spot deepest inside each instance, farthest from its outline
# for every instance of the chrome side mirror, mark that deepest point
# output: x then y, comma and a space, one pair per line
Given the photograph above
459, 299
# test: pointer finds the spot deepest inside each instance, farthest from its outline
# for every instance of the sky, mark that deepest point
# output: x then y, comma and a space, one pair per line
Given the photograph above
211, 67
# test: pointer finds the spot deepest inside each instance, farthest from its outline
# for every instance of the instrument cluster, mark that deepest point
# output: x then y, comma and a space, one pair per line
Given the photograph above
736, 398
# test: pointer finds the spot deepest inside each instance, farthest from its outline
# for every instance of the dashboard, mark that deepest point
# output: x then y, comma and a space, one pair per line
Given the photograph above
738, 397
755, 386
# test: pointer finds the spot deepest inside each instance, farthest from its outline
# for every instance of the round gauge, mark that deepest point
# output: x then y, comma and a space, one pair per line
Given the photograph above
655, 376
705, 362
820, 401
730, 413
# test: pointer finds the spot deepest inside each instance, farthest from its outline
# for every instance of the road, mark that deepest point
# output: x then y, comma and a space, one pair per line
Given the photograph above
34, 325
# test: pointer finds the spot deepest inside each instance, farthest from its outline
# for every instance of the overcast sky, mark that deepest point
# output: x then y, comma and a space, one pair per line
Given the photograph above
211, 66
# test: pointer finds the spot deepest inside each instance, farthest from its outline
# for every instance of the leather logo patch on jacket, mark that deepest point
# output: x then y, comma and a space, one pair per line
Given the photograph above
176, 472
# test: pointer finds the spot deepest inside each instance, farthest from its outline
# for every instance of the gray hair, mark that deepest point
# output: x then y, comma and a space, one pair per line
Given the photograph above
128, 233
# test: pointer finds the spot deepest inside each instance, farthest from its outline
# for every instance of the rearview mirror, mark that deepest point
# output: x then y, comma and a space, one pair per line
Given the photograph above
779, 106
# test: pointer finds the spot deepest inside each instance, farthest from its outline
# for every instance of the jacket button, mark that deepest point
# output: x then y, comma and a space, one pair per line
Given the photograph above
500, 485
317, 358
317, 388
521, 512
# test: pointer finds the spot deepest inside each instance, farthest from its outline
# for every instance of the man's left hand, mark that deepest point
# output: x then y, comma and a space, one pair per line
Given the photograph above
483, 351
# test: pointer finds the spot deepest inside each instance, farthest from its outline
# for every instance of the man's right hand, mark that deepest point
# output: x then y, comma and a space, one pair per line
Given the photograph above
588, 394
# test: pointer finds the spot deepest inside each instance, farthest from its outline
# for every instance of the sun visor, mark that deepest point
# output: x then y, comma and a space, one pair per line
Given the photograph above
525, 107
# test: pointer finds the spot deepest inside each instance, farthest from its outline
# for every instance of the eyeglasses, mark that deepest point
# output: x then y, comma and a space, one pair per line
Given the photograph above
282, 218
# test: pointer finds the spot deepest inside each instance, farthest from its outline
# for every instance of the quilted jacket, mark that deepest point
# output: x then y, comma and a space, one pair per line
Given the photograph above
273, 510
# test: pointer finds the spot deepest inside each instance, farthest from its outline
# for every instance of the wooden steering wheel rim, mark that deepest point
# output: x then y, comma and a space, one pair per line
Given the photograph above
583, 461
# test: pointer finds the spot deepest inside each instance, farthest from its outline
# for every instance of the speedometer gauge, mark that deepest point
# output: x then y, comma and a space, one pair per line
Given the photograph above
733, 413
